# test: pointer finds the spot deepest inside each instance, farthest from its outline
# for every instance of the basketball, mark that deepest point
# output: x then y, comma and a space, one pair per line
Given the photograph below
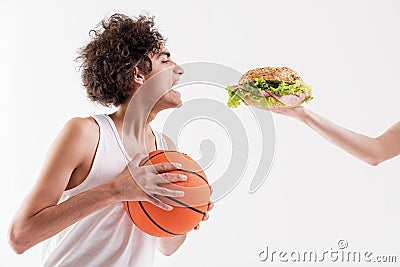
187, 211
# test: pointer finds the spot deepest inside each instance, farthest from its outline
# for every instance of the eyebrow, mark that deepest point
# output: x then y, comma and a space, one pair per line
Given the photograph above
168, 54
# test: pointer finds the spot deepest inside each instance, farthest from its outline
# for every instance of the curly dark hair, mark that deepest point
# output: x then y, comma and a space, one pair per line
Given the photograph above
108, 60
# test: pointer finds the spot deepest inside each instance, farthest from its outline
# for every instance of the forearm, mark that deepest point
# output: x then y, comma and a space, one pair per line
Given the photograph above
363, 147
27, 232
169, 245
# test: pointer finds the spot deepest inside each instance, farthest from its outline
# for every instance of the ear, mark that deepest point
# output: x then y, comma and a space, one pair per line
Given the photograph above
138, 76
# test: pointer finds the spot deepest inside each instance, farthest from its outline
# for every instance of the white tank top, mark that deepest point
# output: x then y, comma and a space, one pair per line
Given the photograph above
107, 237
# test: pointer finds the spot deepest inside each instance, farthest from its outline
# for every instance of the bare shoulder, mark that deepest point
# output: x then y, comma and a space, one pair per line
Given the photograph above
85, 125
170, 143
78, 138
70, 149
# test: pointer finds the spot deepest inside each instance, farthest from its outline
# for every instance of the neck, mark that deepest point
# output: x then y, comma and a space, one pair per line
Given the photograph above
119, 115
134, 117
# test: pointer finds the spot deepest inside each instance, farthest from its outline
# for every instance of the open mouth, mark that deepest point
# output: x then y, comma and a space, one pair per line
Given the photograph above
176, 93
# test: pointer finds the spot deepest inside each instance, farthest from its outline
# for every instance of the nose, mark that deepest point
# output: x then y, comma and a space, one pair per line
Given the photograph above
178, 69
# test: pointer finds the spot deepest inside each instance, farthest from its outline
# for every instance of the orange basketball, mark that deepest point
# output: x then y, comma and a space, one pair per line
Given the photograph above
187, 211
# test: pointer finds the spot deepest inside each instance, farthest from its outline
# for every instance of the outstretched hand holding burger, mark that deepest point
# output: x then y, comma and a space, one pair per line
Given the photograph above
282, 91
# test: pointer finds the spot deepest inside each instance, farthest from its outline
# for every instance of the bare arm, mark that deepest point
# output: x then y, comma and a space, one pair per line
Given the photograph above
169, 245
368, 149
40, 216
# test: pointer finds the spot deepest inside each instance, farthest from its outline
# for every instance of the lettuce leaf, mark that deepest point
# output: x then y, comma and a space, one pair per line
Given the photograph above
255, 88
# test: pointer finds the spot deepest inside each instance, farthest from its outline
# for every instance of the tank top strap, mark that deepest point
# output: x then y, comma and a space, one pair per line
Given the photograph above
109, 123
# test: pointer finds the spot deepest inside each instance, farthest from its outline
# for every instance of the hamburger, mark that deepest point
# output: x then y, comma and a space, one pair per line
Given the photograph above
269, 87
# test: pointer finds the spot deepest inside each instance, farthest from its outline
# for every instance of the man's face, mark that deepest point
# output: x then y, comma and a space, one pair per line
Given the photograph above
169, 76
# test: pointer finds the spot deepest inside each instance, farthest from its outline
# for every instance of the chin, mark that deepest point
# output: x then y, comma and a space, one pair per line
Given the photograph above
170, 100
175, 104
168, 105
178, 105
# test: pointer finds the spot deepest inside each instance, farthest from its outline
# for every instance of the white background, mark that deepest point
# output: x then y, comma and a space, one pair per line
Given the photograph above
315, 194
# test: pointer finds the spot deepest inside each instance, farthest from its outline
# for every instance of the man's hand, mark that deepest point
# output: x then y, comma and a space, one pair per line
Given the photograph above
295, 112
142, 183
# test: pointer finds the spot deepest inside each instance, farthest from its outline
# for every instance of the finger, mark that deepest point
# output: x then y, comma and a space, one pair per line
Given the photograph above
197, 227
205, 217
167, 192
159, 203
210, 206
211, 189
164, 167
172, 177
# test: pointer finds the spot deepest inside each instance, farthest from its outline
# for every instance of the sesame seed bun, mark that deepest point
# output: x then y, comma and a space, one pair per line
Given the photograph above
278, 74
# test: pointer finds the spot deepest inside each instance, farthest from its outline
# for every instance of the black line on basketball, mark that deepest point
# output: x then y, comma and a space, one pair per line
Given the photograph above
155, 223
192, 172
147, 160
129, 211
159, 153
186, 205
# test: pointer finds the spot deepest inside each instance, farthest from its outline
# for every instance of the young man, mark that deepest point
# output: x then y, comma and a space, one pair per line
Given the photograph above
76, 203
368, 149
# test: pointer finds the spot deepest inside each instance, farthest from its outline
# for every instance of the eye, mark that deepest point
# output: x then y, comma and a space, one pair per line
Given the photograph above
165, 61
